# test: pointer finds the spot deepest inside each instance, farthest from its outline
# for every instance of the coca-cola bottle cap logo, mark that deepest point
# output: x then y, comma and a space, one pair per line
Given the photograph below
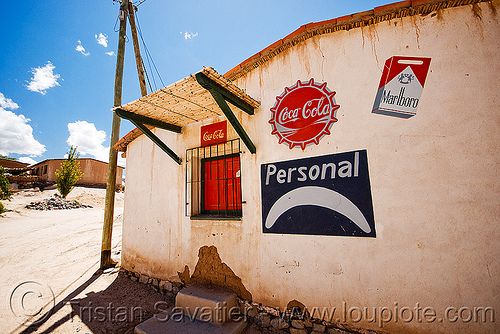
303, 114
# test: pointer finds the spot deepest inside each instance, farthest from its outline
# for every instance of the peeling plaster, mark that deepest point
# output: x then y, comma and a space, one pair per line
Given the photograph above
210, 270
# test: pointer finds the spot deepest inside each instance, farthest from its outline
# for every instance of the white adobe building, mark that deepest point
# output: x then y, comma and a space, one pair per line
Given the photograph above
318, 199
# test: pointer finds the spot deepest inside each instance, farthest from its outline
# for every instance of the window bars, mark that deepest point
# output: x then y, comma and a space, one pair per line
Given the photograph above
213, 180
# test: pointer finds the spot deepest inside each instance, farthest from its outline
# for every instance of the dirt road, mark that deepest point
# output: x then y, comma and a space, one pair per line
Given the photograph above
49, 262
58, 249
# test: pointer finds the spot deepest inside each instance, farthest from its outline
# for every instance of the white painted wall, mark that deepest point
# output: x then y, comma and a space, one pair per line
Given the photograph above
435, 181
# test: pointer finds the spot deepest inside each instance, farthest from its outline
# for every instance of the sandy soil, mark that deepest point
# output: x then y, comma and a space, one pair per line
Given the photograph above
45, 253
49, 262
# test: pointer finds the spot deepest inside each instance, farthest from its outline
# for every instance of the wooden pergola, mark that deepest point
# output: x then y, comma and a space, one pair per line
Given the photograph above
203, 95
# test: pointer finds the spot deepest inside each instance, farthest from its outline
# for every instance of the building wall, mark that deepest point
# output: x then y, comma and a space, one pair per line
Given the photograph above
434, 179
94, 172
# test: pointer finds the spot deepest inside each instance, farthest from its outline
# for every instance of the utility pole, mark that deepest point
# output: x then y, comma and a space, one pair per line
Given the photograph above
137, 50
107, 231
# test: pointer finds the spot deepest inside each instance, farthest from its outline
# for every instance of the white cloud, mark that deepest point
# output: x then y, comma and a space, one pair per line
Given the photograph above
110, 53
81, 49
102, 39
43, 79
7, 103
16, 135
27, 160
89, 140
189, 35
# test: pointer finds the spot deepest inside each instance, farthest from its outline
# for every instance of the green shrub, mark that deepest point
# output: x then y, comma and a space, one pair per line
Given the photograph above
69, 173
5, 192
2, 208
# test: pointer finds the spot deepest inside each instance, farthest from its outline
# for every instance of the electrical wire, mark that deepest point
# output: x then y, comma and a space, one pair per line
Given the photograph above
140, 3
149, 58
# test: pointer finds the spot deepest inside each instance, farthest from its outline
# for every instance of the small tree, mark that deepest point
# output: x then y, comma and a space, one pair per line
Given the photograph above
69, 173
5, 192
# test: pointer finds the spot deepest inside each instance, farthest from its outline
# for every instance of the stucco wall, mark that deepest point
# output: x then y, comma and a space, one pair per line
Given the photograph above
435, 181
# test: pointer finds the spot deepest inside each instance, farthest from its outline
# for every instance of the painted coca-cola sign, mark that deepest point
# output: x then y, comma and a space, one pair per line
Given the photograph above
303, 114
214, 133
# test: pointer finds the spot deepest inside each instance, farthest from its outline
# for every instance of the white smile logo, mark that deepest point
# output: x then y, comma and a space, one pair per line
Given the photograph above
317, 196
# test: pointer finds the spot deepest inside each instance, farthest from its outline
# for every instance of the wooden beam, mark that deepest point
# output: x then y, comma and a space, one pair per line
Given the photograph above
157, 141
209, 84
147, 120
232, 119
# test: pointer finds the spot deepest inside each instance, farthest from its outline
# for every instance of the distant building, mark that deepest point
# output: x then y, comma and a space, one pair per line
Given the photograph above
95, 172
8, 164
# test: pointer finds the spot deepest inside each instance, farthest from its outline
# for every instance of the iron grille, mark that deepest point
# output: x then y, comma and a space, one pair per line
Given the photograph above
213, 180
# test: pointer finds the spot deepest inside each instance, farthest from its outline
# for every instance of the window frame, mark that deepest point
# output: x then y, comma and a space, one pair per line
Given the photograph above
195, 180
237, 183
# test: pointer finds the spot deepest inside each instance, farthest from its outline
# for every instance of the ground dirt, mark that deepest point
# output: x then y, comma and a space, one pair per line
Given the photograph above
45, 253
49, 262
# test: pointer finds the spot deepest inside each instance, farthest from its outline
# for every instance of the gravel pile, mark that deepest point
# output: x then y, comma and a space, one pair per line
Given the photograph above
54, 203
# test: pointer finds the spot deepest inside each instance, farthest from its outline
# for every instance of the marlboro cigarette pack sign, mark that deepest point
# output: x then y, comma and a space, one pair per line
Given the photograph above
401, 86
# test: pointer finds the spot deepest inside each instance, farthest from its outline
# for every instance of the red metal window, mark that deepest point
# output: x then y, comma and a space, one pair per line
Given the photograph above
221, 185
213, 181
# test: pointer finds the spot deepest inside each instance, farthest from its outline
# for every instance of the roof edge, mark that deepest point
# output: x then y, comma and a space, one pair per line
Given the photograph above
378, 14
62, 159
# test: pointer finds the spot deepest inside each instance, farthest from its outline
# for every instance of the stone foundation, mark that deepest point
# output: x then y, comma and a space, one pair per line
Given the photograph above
268, 319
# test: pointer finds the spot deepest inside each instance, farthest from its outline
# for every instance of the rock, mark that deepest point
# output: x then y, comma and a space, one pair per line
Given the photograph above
251, 311
297, 331
319, 328
307, 323
336, 331
297, 324
263, 319
56, 204
271, 311
279, 323
165, 286
143, 279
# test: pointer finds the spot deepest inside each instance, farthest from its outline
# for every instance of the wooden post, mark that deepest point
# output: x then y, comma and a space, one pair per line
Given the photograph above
107, 231
137, 50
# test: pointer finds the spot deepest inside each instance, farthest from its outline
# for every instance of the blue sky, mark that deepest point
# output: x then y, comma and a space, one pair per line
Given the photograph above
57, 62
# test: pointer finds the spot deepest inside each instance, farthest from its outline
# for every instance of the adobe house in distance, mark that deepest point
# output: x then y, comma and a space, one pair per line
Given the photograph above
352, 164
94, 172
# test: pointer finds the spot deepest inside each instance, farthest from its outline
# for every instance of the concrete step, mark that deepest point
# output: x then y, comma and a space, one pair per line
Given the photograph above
198, 309
187, 325
208, 304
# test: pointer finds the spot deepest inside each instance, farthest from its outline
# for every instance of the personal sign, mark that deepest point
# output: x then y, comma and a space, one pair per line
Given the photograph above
303, 114
323, 195
214, 133
401, 86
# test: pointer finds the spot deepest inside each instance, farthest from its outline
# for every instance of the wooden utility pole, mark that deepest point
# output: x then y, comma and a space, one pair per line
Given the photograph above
107, 231
137, 50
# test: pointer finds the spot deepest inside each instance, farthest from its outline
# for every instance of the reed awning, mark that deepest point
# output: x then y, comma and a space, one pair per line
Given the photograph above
203, 95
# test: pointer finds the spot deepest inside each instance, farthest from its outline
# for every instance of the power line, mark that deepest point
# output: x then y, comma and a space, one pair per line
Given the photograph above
149, 58
140, 3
